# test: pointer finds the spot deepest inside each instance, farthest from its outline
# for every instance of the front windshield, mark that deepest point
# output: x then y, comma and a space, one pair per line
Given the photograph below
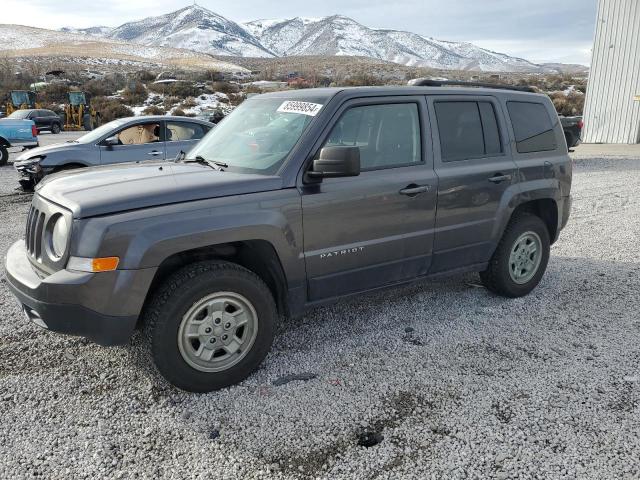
19, 114
258, 135
98, 133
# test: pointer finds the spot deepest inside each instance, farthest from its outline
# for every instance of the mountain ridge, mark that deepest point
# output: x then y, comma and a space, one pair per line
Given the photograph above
197, 28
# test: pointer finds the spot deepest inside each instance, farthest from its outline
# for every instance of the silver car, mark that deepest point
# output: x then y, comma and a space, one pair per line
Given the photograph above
130, 139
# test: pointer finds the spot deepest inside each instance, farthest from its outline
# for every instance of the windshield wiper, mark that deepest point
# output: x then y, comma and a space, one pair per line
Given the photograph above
203, 161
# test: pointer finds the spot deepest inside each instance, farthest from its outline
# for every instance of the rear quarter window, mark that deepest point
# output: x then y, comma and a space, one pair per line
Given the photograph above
532, 127
467, 130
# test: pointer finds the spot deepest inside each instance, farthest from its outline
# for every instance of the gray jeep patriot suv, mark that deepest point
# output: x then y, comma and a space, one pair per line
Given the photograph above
295, 199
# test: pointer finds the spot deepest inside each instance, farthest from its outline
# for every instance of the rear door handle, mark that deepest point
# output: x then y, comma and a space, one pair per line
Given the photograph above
413, 190
498, 178
155, 153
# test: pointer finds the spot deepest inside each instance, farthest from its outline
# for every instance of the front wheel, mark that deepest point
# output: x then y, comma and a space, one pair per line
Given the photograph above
209, 326
55, 129
4, 155
521, 258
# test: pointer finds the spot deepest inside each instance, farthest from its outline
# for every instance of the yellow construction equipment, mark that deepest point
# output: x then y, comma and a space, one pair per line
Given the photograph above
21, 100
78, 112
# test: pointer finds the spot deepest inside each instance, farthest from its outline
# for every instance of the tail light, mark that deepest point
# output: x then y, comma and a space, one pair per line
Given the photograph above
580, 124
34, 131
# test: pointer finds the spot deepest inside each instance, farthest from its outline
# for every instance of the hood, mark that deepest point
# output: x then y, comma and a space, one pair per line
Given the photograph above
35, 152
111, 189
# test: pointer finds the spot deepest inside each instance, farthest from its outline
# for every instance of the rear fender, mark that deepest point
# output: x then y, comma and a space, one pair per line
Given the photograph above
543, 189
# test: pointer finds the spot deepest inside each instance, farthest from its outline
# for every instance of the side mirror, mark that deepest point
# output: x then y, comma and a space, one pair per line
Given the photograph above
335, 162
111, 141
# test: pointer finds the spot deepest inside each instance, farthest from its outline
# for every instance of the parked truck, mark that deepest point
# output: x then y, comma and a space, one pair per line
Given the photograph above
16, 133
572, 128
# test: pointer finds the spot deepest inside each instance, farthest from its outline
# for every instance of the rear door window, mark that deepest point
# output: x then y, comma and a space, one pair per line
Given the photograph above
460, 130
532, 127
182, 131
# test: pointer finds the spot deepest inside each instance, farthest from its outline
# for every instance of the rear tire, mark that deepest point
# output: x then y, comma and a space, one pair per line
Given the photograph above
569, 138
209, 326
521, 258
87, 122
4, 155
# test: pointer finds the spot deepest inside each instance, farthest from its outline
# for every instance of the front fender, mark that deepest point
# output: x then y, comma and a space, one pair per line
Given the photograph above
145, 238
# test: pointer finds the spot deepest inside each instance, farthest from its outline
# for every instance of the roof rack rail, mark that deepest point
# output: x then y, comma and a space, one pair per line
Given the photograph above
426, 82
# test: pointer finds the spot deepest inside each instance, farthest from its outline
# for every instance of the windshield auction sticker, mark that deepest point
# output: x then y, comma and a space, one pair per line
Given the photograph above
304, 108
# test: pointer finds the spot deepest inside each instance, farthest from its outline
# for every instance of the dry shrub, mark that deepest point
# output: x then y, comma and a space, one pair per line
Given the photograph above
225, 87
568, 105
189, 103
54, 93
236, 99
135, 95
170, 101
177, 89
111, 109
153, 110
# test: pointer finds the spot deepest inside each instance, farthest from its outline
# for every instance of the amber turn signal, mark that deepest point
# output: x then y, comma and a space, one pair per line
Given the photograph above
105, 264
95, 265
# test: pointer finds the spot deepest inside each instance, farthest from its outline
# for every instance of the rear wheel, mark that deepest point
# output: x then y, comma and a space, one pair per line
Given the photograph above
4, 155
87, 122
519, 262
209, 326
569, 138
55, 129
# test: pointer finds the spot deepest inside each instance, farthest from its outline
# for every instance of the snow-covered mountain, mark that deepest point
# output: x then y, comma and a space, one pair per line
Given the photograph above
202, 30
195, 28
100, 31
82, 48
340, 35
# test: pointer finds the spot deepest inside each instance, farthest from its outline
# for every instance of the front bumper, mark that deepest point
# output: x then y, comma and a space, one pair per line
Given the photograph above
30, 172
103, 307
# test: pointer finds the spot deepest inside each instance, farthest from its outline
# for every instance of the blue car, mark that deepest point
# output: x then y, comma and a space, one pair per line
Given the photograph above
132, 139
16, 133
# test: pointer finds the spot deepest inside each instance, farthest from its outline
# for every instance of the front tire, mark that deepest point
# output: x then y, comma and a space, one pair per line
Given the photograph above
521, 258
4, 155
55, 129
209, 326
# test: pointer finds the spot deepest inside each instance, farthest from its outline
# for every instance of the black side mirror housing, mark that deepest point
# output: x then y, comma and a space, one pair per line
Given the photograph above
337, 161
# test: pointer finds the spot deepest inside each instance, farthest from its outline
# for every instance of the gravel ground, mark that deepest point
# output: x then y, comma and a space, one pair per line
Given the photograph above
445, 379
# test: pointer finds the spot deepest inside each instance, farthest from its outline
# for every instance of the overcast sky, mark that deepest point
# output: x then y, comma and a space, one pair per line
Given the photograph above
538, 30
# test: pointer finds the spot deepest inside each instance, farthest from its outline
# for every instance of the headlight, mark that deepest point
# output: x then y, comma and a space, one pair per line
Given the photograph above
28, 158
59, 236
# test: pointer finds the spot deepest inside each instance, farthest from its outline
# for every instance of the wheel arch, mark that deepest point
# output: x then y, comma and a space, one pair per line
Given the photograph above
258, 256
544, 208
69, 165
4, 142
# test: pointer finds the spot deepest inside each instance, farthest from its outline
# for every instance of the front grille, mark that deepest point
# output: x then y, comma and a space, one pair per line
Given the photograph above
40, 215
33, 237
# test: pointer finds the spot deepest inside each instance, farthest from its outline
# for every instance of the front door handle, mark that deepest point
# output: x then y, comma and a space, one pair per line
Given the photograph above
155, 153
413, 190
499, 177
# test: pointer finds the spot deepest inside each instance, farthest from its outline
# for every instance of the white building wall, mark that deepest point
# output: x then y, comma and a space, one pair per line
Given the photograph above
611, 114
